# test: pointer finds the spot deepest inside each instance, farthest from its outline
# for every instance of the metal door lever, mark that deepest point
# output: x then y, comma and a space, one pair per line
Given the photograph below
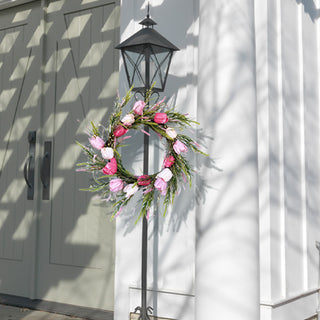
45, 171
28, 170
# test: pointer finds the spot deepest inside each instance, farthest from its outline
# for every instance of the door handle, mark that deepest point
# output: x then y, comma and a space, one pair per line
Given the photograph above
45, 171
43, 175
28, 170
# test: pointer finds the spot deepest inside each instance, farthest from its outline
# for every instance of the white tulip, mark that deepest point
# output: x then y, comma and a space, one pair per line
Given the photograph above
165, 174
130, 189
171, 133
128, 119
107, 153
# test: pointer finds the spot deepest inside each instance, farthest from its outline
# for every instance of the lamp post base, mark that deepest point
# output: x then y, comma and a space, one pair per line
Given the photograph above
144, 314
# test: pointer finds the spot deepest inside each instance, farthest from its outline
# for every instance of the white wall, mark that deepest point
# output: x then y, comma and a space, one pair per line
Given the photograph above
227, 274
213, 79
248, 71
287, 37
172, 239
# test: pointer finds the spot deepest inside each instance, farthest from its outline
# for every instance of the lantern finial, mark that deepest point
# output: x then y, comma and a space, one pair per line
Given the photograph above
148, 22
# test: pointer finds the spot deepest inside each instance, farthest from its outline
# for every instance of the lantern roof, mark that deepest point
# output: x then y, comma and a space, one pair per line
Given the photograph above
147, 36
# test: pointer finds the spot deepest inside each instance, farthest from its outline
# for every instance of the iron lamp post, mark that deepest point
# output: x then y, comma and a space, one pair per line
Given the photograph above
147, 57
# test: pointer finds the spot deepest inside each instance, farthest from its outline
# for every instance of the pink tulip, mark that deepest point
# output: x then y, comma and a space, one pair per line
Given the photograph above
138, 107
116, 185
144, 180
111, 167
161, 185
179, 147
168, 161
119, 131
160, 117
97, 142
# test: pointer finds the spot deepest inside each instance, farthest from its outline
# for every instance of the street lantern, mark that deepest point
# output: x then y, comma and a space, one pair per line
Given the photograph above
147, 57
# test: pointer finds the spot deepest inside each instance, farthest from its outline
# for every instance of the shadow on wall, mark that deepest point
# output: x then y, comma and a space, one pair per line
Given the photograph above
181, 88
79, 82
284, 167
188, 197
223, 232
172, 237
310, 9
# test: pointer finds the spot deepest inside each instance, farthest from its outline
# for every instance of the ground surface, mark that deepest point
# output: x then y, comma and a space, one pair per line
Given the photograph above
13, 313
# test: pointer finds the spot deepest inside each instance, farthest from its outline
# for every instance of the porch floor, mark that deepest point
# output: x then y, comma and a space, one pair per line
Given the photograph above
16, 313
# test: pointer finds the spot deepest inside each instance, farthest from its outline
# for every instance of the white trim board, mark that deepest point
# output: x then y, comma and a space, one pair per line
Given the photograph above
279, 303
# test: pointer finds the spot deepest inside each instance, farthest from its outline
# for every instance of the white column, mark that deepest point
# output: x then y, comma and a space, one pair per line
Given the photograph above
227, 261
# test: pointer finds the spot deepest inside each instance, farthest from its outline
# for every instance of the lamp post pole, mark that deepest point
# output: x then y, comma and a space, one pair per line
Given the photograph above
144, 263
139, 51
144, 252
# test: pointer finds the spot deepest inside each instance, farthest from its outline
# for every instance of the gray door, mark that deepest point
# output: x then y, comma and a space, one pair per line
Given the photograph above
19, 114
72, 243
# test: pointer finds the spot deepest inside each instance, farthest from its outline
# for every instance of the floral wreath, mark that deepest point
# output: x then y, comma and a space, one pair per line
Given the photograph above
116, 183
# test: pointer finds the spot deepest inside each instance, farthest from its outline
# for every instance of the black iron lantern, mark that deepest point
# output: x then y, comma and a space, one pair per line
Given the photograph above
147, 57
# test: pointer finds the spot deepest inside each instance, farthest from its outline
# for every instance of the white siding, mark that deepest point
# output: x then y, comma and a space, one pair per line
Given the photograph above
288, 126
211, 274
227, 277
171, 239
257, 77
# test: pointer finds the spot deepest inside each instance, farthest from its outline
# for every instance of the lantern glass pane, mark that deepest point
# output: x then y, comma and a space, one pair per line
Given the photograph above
135, 65
159, 67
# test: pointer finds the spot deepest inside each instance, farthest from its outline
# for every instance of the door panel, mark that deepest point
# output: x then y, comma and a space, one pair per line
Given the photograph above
18, 116
77, 239
14, 126
60, 248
